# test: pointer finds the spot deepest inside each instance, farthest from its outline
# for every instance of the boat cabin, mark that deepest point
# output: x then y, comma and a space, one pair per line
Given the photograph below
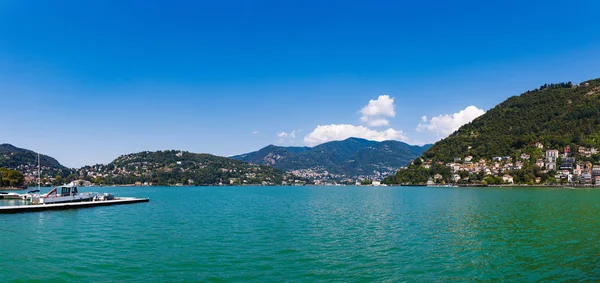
66, 193
68, 190
63, 191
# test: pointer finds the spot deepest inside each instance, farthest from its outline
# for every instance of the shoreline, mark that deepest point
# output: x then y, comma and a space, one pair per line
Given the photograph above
394, 185
12, 189
311, 185
505, 186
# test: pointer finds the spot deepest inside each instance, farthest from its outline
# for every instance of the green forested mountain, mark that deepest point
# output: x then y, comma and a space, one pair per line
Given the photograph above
555, 115
517, 131
350, 157
172, 167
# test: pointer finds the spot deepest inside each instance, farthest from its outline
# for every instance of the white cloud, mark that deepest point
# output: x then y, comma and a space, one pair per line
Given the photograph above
326, 133
382, 106
291, 134
375, 122
374, 113
287, 137
255, 132
446, 124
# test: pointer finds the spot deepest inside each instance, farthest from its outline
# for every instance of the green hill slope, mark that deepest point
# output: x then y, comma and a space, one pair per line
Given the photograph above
14, 157
172, 167
553, 116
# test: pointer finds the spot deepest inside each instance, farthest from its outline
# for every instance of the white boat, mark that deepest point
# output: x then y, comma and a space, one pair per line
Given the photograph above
66, 193
63, 194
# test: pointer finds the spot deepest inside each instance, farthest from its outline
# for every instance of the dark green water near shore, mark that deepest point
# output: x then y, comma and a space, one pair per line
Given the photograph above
308, 234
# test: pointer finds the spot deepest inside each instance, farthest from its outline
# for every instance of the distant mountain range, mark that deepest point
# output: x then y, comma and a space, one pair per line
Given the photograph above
351, 157
168, 167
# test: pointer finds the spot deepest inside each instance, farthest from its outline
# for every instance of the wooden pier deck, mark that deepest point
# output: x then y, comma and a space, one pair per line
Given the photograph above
69, 205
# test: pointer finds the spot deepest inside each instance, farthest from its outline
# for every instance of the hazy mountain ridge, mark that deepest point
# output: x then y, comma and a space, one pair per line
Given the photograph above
350, 157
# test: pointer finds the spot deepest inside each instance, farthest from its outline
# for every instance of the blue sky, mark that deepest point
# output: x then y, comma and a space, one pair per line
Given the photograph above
86, 81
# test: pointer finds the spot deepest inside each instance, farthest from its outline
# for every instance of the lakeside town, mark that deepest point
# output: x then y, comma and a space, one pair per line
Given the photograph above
174, 168
96, 175
543, 166
103, 174
554, 167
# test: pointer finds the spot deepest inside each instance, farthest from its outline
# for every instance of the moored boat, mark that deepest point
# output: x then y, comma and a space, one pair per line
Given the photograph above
5, 195
65, 193
64, 197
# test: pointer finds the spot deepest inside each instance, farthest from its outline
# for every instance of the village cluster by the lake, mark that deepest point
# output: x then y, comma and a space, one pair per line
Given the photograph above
554, 167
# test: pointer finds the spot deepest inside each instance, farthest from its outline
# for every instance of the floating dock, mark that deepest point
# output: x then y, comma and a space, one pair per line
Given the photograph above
69, 205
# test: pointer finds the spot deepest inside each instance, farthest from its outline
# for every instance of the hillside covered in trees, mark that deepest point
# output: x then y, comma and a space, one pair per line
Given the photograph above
554, 116
169, 167
172, 167
14, 157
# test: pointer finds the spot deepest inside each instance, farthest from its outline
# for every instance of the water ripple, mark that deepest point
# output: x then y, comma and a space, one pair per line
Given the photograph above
258, 234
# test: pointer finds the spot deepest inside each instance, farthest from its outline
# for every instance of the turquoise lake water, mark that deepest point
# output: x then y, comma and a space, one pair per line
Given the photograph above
311, 234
